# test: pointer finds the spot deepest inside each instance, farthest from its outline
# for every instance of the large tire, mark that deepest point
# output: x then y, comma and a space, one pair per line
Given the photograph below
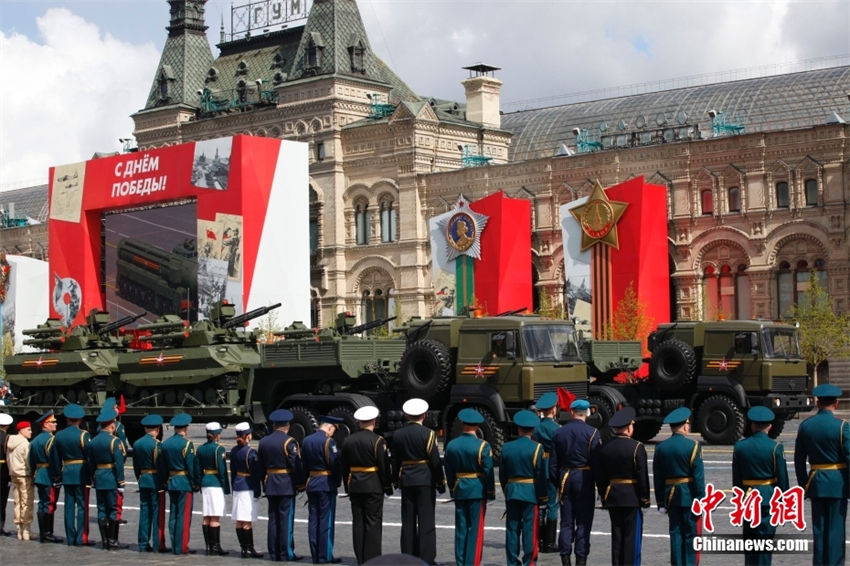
673, 365
604, 411
347, 427
646, 430
303, 423
426, 369
720, 420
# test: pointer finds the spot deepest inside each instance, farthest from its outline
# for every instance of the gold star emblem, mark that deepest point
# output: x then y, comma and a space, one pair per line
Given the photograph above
598, 218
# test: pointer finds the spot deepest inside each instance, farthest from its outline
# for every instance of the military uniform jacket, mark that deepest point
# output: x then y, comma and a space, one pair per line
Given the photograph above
522, 474
678, 472
245, 471
321, 463
106, 458
621, 473
573, 445
824, 440
416, 458
179, 465
45, 468
758, 462
146, 462
280, 464
365, 463
212, 459
71, 450
4, 467
544, 433
469, 468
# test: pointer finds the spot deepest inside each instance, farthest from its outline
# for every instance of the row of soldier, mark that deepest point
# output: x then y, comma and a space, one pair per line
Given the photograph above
549, 470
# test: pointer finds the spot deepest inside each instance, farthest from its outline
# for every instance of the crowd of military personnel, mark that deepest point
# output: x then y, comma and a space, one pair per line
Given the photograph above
549, 471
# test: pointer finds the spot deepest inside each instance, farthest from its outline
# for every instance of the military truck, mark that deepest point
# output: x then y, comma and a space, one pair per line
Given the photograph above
718, 370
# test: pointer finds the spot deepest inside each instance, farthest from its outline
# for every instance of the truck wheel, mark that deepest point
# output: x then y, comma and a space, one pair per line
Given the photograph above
720, 420
673, 365
599, 419
426, 368
303, 423
347, 427
492, 432
646, 430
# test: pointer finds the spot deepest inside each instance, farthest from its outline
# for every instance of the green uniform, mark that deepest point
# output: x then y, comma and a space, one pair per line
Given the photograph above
679, 478
181, 468
523, 478
146, 455
758, 462
543, 434
71, 450
824, 441
106, 458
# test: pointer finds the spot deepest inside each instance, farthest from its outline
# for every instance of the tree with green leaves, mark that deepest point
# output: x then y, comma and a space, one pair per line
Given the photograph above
824, 334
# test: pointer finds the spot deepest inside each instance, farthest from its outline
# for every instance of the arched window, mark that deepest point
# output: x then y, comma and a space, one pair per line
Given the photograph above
707, 202
811, 187
389, 221
361, 219
721, 286
734, 199
782, 198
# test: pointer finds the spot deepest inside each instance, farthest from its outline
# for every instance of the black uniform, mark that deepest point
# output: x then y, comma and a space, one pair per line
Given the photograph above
622, 479
366, 472
4, 482
418, 472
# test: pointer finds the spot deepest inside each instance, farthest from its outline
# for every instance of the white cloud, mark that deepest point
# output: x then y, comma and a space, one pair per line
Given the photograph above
66, 96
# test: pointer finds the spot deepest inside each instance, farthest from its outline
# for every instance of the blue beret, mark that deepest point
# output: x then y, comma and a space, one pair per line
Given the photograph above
760, 414
281, 416
526, 419
678, 416
826, 390
181, 419
107, 415
622, 418
109, 403
580, 405
330, 419
547, 400
44, 417
152, 421
470, 416
73, 411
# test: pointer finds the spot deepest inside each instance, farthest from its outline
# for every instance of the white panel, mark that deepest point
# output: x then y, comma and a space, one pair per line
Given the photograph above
27, 298
576, 264
282, 272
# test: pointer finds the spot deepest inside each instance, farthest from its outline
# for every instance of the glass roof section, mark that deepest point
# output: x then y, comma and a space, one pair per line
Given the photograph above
764, 104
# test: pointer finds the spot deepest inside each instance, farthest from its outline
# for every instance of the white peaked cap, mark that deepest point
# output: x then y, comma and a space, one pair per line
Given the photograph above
5, 419
367, 413
242, 427
415, 407
213, 427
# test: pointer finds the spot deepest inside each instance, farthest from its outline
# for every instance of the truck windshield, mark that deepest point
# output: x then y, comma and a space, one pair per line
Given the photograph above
549, 342
781, 343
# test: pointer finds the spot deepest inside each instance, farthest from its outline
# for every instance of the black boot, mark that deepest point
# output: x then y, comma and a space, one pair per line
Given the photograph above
215, 542
550, 536
581, 560
102, 525
48, 522
565, 560
248, 551
114, 526
206, 529
42, 528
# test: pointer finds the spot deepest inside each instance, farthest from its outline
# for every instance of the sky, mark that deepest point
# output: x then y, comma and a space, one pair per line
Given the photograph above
74, 71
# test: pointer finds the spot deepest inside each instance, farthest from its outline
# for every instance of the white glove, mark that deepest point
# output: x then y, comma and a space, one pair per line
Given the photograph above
662, 510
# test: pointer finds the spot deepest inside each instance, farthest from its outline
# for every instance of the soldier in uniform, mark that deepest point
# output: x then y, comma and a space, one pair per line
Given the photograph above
418, 472
279, 459
179, 464
622, 478
547, 406
366, 472
71, 449
679, 478
146, 456
523, 478
469, 473
824, 440
5, 421
246, 479
47, 476
18, 459
758, 462
106, 457
324, 474
212, 458
573, 446
121, 434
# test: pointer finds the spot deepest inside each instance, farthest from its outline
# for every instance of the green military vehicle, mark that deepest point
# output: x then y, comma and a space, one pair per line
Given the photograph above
718, 370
